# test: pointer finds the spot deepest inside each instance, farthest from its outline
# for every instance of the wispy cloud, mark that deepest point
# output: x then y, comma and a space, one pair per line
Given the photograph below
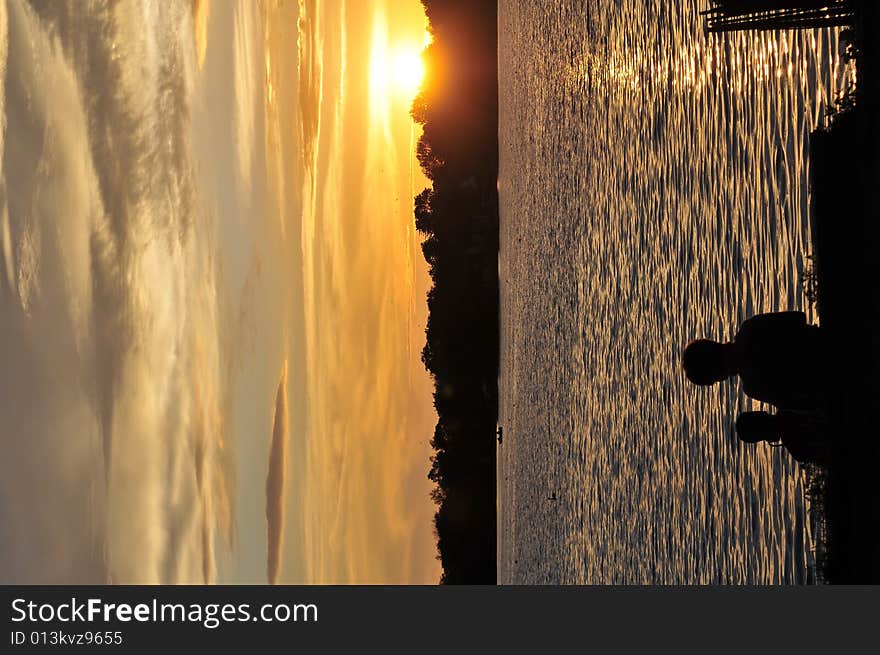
309, 44
275, 481
201, 11
113, 422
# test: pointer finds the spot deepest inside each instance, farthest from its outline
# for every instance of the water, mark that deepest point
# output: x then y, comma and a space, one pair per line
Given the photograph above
653, 189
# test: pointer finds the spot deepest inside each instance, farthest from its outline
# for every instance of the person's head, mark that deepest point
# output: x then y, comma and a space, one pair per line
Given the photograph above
703, 362
754, 427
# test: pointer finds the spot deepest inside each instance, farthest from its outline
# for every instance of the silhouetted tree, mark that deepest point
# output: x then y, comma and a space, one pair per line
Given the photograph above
429, 160
423, 212
458, 215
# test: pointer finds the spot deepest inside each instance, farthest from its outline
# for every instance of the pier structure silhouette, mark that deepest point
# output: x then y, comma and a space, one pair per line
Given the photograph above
740, 15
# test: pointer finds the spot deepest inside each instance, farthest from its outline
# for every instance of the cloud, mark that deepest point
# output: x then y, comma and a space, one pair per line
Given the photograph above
309, 47
111, 396
245, 83
275, 482
201, 11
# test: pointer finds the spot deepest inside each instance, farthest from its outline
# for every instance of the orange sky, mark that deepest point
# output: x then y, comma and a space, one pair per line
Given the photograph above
215, 304
342, 255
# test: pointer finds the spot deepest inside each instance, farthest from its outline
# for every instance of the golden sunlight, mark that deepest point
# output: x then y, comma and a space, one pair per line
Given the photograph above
409, 71
396, 70
380, 96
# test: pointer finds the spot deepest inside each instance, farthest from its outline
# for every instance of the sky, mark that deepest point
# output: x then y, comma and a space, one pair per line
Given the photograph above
212, 300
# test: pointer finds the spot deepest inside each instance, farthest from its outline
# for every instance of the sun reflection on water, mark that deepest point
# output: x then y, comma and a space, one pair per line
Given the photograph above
674, 203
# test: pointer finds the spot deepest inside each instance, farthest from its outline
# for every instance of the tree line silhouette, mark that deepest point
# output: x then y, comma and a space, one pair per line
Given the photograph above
458, 217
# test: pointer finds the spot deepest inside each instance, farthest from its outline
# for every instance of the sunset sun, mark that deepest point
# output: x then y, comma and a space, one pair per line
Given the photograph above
407, 71
396, 71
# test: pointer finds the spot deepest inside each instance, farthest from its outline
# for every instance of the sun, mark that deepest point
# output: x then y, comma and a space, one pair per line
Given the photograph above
396, 71
408, 71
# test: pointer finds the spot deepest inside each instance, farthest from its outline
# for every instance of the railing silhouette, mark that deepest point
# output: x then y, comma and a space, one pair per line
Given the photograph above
739, 15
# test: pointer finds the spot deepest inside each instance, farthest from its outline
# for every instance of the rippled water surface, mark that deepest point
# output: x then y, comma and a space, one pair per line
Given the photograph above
653, 189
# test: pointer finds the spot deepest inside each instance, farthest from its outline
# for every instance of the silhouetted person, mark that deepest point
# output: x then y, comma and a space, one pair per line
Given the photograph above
803, 435
779, 358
